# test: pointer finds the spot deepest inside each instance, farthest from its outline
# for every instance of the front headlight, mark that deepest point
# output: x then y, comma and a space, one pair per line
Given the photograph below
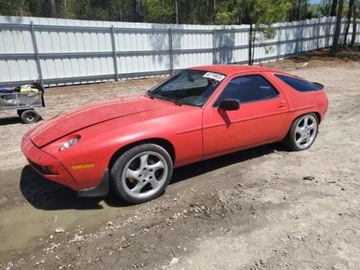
69, 143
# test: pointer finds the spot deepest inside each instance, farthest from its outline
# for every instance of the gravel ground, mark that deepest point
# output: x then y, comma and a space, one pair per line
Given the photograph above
264, 208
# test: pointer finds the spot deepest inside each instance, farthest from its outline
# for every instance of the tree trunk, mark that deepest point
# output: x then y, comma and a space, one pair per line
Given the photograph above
52, 6
335, 44
251, 32
333, 8
138, 11
348, 21
210, 11
354, 24
298, 5
214, 12
176, 11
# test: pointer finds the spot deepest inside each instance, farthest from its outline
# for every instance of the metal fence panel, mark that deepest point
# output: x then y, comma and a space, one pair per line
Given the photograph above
67, 51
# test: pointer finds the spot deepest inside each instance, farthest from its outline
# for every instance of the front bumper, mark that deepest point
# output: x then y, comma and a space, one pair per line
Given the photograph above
39, 159
100, 190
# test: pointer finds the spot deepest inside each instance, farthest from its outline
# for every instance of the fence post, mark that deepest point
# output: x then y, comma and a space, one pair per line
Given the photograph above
328, 32
278, 45
171, 54
318, 33
114, 53
37, 58
298, 38
214, 48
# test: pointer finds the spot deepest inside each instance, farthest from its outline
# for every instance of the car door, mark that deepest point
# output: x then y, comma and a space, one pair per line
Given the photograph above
259, 120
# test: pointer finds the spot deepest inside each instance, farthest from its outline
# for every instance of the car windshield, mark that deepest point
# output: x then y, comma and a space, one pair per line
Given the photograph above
189, 87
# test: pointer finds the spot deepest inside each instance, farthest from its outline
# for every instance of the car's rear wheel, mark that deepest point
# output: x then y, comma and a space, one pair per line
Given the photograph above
303, 132
142, 173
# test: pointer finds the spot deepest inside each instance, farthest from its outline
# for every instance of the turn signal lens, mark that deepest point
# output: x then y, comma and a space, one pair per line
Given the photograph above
83, 166
69, 143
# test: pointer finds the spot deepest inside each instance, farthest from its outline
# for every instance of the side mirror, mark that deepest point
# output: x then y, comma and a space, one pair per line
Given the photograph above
229, 104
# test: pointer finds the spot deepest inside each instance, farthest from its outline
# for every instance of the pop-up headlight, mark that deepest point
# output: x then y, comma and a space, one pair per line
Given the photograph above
71, 142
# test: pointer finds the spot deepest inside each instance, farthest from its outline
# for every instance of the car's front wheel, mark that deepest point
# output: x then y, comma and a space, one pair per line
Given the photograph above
303, 132
142, 173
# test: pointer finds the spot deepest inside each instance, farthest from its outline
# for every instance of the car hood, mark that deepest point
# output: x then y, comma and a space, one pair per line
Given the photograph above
89, 115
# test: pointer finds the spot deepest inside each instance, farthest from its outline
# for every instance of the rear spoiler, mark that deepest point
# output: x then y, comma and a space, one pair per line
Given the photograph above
321, 86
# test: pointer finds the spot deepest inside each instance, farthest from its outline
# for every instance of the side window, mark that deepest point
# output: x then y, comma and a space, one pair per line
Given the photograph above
247, 89
299, 84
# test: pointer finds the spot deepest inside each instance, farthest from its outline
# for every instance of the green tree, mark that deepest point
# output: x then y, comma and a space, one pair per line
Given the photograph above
120, 10
299, 10
261, 14
14, 8
227, 12
158, 11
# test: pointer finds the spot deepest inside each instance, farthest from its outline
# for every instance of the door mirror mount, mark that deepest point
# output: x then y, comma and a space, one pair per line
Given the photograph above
229, 104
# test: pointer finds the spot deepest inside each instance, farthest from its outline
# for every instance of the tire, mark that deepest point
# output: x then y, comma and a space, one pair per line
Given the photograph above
19, 112
142, 173
29, 116
303, 132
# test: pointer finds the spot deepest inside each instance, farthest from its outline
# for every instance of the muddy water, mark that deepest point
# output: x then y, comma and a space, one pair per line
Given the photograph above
40, 207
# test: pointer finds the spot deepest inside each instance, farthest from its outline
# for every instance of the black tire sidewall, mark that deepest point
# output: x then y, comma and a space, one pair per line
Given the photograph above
25, 116
121, 163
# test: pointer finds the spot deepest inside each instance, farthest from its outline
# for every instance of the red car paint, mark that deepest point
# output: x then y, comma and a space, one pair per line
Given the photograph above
192, 133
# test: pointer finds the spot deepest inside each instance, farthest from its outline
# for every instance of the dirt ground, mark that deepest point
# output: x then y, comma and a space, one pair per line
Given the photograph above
265, 208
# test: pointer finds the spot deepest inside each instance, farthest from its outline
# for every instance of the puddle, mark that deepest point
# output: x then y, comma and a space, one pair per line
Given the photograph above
34, 208
21, 227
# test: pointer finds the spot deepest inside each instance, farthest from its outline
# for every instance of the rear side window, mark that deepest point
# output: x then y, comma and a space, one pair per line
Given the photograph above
299, 84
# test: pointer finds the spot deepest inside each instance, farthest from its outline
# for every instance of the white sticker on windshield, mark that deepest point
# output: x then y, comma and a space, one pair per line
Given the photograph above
215, 76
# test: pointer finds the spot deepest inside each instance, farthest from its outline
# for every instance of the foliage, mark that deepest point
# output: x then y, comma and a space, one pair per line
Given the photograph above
14, 7
169, 11
260, 14
158, 11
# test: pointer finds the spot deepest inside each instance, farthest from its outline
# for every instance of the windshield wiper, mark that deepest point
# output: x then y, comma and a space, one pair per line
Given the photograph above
167, 98
175, 101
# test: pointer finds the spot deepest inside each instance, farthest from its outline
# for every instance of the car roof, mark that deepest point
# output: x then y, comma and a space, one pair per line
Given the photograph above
235, 69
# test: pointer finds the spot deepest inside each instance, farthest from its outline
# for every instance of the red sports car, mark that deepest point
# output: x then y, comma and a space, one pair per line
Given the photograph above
196, 114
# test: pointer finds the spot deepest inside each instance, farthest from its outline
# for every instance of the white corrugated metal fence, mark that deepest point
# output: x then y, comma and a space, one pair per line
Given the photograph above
73, 51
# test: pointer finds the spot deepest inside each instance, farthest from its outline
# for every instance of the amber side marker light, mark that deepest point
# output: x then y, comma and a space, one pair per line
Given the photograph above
83, 166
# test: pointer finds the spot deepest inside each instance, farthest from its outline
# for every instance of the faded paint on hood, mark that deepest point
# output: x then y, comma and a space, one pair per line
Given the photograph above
85, 116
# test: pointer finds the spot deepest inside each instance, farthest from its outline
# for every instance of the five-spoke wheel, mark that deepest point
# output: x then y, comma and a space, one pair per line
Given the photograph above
142, 173
303, 132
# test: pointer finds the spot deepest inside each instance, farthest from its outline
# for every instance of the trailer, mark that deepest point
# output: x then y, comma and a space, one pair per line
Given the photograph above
24, 100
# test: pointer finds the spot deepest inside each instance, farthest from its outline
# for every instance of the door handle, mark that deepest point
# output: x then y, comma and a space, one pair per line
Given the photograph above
281, 104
